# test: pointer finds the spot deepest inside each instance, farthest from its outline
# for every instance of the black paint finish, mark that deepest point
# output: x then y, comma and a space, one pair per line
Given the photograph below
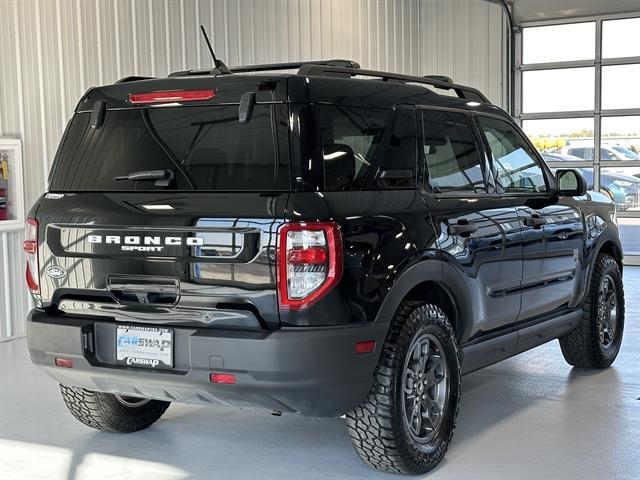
506, 263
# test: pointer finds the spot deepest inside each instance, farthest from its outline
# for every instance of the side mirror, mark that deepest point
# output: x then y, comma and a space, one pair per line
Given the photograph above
570, 183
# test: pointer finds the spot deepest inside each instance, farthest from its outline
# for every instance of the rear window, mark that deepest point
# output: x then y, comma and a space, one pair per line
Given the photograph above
206, 148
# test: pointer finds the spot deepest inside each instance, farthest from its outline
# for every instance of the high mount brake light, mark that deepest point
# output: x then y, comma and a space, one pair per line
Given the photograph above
171, 96
309, 262
30, 247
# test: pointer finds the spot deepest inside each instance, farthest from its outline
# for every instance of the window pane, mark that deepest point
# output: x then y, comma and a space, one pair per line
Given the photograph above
557, 43
621, 138
620, 86
453, 163
622, 184
553, 135
9, 194
205, 148
517, 170
620, 38
398, 154
558, 90
629, 235
350, 137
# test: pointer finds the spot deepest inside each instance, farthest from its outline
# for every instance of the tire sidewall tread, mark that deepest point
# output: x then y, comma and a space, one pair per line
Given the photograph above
103, 411
377, 426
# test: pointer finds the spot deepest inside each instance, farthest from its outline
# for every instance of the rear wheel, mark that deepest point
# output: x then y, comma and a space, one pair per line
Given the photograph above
406, 423
596, 341
112, 412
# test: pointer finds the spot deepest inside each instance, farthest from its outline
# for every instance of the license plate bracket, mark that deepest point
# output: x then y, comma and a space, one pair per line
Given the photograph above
146, 347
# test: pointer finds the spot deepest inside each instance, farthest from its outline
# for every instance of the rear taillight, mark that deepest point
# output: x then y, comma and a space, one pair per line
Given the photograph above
309, 262
30, 246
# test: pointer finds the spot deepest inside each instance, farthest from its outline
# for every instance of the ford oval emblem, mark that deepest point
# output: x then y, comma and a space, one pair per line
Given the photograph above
54, 271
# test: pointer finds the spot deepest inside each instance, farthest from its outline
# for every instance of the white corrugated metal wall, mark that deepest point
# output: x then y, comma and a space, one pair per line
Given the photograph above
51, 51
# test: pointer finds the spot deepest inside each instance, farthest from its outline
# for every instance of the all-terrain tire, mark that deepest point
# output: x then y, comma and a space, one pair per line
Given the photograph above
107, 412
583, 347
378, 428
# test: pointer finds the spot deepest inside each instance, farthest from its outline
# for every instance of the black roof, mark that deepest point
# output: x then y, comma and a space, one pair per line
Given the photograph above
339, 82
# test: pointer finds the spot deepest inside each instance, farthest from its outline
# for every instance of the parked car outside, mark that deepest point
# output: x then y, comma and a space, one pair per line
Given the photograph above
624, 190
607, 152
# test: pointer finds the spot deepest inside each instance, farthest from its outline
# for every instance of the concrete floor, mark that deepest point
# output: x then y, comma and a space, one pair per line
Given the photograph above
528, 417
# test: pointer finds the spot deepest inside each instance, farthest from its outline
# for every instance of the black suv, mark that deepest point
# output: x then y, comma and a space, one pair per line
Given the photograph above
327, 242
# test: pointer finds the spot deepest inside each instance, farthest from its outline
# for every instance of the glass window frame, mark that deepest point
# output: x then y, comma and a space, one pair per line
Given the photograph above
598, 114
13, 146
546, 171
423, 178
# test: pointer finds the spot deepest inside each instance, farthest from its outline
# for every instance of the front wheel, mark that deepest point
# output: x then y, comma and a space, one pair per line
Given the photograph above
596, 341
407, 421
112, 412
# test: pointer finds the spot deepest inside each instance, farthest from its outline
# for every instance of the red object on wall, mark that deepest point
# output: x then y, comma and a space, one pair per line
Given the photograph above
4, 204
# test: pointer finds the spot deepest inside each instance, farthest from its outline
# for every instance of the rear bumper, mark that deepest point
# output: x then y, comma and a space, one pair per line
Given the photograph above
311, 371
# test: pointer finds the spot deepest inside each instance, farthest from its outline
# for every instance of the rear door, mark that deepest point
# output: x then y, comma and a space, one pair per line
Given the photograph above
477, 229
197, 249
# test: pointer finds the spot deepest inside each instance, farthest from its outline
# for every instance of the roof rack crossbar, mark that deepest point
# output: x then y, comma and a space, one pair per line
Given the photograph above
293, 65
467, 93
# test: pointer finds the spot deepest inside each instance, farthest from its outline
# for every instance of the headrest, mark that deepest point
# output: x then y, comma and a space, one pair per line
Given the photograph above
339, 166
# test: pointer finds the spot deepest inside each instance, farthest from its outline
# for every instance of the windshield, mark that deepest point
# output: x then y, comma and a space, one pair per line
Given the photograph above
205, 148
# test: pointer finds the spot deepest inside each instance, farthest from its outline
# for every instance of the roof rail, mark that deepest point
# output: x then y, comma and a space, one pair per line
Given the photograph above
437, 81
291, 65
265, 67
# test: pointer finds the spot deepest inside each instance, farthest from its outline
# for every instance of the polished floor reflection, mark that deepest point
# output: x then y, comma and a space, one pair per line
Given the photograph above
532, 416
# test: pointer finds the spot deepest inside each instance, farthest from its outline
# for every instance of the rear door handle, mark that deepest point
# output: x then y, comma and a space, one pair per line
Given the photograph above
462, 228
535, 221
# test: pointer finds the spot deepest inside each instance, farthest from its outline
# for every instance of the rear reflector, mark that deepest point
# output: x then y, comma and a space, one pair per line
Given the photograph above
366, 346
64, 362
226, 378
171, 96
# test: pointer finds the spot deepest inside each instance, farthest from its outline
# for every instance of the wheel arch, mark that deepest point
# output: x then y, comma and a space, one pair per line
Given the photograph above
431, 281
611, 248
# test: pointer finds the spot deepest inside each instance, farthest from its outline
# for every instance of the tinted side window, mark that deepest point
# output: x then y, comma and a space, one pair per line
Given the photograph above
515, 163
398, 161
350, 137
450, 153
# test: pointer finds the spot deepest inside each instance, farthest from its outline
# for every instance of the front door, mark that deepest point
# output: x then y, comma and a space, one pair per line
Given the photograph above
478, 230
552, 227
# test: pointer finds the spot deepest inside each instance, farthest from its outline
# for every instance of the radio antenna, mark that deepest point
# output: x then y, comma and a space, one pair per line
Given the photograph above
218, 65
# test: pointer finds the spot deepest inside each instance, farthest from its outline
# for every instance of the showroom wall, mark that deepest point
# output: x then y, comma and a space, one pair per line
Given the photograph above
51, 51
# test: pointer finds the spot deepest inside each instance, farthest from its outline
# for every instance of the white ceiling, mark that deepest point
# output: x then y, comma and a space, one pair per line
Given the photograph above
530, 10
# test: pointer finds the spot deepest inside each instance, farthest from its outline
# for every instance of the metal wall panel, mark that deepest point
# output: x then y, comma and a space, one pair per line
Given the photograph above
51, 51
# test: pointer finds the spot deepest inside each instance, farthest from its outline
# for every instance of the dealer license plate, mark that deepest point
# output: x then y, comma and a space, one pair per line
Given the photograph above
148, 347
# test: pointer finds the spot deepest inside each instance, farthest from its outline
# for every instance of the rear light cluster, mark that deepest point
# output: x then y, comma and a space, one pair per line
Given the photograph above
30, 246
309, 262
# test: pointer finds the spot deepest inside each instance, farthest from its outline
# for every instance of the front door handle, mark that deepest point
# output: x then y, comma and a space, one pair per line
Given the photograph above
535, 221
462, 228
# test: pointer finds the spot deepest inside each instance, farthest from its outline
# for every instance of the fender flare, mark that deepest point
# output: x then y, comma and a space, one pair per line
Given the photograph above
606, 237
438, 272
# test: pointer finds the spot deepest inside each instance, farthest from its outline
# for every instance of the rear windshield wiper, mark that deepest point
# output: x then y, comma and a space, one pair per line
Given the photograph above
163, 178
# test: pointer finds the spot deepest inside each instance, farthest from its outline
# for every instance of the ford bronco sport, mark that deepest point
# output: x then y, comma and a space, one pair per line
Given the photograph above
326, 242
